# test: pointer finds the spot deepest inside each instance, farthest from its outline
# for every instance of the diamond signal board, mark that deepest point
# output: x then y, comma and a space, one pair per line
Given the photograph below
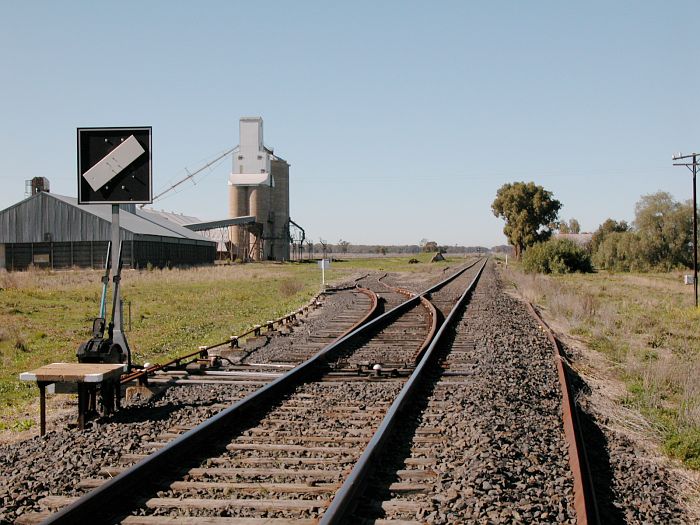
114, 166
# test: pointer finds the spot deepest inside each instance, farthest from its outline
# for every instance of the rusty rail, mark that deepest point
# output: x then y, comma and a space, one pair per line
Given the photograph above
432, 312
402, 291
202, 352
585, 502
233, 341
374, 301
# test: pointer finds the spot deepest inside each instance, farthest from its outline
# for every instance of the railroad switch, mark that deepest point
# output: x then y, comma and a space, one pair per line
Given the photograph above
108, 344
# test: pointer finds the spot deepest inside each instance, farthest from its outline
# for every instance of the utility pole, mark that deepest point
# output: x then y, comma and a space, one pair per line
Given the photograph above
693, 167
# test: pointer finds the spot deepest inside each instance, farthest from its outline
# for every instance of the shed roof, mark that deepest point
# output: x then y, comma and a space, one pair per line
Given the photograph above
30, 219
213, 230
579, 238
177, 218
210, 225
140, 222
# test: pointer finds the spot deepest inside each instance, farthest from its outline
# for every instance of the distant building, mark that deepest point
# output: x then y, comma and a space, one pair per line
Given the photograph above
53, 231
582, 239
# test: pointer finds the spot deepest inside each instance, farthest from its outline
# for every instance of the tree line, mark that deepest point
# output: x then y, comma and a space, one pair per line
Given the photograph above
345, 247
659, 238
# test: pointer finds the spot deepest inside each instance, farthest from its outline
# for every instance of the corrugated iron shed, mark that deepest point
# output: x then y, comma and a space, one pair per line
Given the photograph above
53, 230
61, 217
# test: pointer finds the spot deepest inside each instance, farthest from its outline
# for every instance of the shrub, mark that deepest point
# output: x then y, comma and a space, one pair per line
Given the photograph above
660, 239
556, 256
290, 287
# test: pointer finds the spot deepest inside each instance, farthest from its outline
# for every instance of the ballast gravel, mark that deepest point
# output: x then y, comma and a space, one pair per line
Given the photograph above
56, 463
496, 404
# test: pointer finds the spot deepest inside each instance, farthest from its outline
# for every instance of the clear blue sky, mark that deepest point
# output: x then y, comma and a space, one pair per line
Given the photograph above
400, 119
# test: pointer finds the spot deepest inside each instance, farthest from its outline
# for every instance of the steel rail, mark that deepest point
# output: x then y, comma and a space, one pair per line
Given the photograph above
432, 311
110, 499
344, 499
585, 502
202, 352
374, 302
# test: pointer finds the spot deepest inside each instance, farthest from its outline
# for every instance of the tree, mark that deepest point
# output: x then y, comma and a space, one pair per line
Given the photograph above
608, 227
528, 210
324, 247
343, 246
661, 237
665, 229
430, 246
620, 251
574, 226
556, 256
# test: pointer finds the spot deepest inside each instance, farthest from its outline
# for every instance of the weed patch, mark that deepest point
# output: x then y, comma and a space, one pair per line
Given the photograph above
685, 446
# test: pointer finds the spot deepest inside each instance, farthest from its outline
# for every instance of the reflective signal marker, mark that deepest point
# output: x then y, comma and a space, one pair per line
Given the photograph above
114, 163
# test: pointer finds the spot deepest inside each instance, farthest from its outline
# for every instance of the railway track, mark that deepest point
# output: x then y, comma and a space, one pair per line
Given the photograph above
474, 434
255, 365
500, 453
294, 439
56, 463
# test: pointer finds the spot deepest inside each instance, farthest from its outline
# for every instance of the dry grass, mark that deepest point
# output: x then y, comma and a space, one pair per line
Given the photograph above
45, 315
69, 279
648, 330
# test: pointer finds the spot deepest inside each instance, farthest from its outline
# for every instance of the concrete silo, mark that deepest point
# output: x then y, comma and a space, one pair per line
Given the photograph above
259, 186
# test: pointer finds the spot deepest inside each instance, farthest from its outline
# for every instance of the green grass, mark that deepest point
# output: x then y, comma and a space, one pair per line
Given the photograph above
684, 444
45, 316
647, 327
17, 425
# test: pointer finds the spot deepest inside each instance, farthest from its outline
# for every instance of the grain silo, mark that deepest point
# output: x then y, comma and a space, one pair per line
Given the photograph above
259, 186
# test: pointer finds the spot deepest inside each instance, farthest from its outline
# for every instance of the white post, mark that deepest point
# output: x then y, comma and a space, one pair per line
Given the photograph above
323, 263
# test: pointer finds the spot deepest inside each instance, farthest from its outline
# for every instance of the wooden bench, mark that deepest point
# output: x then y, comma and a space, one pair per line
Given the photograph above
88, 377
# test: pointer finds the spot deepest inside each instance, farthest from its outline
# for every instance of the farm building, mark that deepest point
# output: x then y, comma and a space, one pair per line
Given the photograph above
582, 239
53, 231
